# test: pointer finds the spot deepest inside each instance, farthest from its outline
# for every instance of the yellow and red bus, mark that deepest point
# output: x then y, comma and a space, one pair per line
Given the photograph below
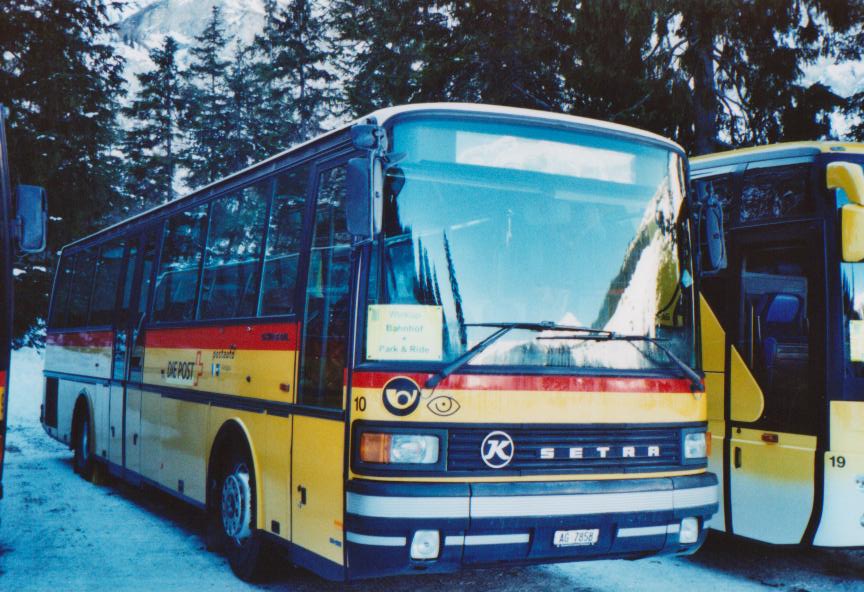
783, 342
22, 228
442, 335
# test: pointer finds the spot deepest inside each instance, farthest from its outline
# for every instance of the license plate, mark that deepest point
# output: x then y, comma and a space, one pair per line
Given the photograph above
573, 538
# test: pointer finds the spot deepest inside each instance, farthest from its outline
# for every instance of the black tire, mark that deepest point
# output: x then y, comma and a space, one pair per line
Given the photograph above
231, 527
83, 463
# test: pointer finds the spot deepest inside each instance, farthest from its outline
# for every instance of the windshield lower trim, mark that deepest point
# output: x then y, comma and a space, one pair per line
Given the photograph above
522, 370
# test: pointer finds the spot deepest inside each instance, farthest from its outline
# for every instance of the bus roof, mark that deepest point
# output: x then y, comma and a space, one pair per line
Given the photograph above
779, 150
382, 116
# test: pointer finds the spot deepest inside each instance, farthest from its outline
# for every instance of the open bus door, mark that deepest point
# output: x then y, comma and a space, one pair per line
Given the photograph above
22, 226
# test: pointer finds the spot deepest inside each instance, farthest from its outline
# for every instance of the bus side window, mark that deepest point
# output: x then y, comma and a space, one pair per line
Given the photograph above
779, 192
82, 288
136, 360
284, 242
230, 281
325, 327
177, 282
60, 301
108, 272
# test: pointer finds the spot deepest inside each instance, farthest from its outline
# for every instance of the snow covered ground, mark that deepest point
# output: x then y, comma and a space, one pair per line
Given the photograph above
61, 533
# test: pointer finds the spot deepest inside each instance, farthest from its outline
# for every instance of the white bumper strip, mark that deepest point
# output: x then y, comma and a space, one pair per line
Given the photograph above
487, 539
379, 506
377, 541
591, 503
529, 505
698, 496
640, 531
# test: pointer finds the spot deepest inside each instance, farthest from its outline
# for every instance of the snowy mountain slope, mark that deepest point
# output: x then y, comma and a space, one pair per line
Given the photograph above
184, 19
145, 24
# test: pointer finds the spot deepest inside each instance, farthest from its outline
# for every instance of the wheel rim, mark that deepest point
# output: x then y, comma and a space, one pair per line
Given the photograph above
237, 504
85, 442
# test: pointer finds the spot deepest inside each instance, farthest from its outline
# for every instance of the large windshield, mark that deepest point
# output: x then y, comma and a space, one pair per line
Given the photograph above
496, 222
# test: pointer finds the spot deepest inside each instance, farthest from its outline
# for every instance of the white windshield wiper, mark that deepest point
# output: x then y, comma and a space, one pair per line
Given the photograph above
695, 378
503, 329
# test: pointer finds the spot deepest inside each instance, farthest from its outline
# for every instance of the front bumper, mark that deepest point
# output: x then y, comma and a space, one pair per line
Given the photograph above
487, 523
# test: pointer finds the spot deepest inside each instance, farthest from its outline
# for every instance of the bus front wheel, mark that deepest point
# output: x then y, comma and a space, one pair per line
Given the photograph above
235, 519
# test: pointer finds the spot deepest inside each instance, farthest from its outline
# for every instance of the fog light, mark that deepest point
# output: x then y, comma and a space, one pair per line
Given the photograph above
689, 532
425, 544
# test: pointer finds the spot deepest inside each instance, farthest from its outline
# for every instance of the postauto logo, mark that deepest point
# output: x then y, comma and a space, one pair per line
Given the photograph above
401, 396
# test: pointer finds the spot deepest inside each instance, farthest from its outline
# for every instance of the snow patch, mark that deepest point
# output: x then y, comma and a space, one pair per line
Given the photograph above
26, 386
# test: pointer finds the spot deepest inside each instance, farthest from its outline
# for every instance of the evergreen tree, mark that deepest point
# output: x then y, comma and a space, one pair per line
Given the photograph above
271, 131
296, 85
206, 121
392, 52
618, 63
151, 143
745, 62
246, 127
61, 80
508, 52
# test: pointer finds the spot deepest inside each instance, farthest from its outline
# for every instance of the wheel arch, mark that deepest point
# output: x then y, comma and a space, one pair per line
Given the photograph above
233, 433
83, 404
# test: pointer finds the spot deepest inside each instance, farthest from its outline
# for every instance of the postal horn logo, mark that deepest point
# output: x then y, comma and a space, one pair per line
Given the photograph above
401, 396
497, 449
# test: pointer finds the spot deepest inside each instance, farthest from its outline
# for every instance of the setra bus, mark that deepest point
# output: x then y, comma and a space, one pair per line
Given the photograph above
22, 228
443, 335
783, 342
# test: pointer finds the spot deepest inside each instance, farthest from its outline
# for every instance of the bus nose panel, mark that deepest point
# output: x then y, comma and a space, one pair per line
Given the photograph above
525, 522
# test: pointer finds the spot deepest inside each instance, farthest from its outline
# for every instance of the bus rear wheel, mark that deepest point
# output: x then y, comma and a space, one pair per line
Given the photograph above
83, 462
235, 518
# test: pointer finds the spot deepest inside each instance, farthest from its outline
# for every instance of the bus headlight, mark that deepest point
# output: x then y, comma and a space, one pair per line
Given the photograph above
695, 445
416, 449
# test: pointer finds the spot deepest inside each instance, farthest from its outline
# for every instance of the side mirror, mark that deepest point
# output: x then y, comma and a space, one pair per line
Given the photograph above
31, 211
359, 198
849, 178
715, 239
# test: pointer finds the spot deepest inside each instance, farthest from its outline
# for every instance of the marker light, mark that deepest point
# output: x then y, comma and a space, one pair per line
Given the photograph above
425, 544
398, 448
689, 532
694, 445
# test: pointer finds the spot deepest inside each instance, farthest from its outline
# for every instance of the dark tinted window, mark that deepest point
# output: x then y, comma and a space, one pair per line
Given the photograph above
234, 246
62, 287
325, 327
780, 192
82, 288
177, 281
108, 272
284, 242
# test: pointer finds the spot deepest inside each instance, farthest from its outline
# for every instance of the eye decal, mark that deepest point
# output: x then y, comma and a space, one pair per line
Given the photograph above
443, 405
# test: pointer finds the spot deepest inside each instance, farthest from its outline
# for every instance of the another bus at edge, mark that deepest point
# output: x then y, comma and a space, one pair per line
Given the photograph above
443, 335
783, 342
23, 218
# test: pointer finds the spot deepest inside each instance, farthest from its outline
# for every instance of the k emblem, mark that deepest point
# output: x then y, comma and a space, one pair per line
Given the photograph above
497, 450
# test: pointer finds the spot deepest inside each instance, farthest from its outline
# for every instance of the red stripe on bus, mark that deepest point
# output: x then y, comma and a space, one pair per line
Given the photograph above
82, 339
271, 337
534, 383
